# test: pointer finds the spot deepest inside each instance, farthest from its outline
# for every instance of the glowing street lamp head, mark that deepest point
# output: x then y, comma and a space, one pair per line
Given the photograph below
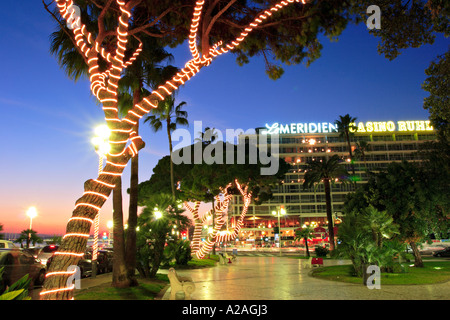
104, 148
31, 212
102, 131
101, 140
109, 224
158, 214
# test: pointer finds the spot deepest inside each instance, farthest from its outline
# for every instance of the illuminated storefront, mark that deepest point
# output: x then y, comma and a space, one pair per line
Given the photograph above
300, 143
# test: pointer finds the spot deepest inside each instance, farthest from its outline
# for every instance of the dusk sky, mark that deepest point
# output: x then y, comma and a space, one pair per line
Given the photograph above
49, 120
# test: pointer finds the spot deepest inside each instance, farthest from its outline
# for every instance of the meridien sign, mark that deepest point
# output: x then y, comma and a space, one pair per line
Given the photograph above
363, 127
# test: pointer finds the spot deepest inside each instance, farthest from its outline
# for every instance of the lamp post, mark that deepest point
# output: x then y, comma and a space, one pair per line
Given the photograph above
31, 213
158, 214
102, 147
110, 226
278, 213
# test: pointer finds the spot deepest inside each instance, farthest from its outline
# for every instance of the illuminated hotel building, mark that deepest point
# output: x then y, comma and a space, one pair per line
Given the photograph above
300, 143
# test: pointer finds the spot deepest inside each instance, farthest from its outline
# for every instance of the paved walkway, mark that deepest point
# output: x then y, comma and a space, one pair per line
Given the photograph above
282, 278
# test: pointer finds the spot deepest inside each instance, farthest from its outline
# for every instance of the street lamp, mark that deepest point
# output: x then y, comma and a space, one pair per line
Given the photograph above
102, 147
279, 213
31, 213
109, 225
157, 213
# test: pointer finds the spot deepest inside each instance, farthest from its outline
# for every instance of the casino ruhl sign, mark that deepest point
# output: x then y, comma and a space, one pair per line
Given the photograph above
362, 127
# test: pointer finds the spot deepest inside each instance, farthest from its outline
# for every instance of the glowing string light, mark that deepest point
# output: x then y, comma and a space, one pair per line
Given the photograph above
220, 208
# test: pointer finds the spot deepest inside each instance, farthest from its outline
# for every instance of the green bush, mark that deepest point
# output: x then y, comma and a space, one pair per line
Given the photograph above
18, 290
321, 251
179, 252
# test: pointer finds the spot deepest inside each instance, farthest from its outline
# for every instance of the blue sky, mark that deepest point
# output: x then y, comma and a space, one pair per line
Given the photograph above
49, 119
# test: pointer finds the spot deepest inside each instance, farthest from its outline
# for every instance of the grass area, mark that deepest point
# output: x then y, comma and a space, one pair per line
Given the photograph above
197, 263
148, 289
433, 272
305, 257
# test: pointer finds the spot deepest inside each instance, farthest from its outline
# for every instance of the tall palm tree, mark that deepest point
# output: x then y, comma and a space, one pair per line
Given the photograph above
29, 236
326, 171
172, 116
361, 148
305, 234
148, 71
346, 127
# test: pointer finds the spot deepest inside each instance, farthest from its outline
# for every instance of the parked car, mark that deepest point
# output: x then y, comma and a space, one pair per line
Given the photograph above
33, 251
442, 253
46, 252
105, 261
18, 262
5, 244
85, 264
430, 249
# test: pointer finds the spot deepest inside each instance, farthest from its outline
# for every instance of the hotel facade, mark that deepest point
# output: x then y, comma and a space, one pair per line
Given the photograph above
300, 143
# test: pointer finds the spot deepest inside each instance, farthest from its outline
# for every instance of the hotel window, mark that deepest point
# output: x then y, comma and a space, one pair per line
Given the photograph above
394, 146
292, 209
426, 137
379, 157
339, 197
334, 139
362, 138
290, 188
378, 147
397, 156
293, 199
409, 146
382, 138
404, 137
277, 199
308, 209
308, 198
410, 156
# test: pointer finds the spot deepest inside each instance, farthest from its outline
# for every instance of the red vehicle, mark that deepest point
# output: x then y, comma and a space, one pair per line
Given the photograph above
16, 263
47, 252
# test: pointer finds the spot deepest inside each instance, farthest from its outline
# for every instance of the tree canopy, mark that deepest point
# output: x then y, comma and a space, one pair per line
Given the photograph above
406, 24
411, 196
203, 181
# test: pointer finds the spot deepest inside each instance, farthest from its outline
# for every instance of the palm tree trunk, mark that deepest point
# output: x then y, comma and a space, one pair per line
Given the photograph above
213, 225
130, 249
347, 135
119, 277
306, 246
158, 254
326, 182
172, 179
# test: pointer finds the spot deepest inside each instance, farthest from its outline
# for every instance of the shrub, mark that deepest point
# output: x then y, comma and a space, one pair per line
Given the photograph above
321, 251
178, 251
